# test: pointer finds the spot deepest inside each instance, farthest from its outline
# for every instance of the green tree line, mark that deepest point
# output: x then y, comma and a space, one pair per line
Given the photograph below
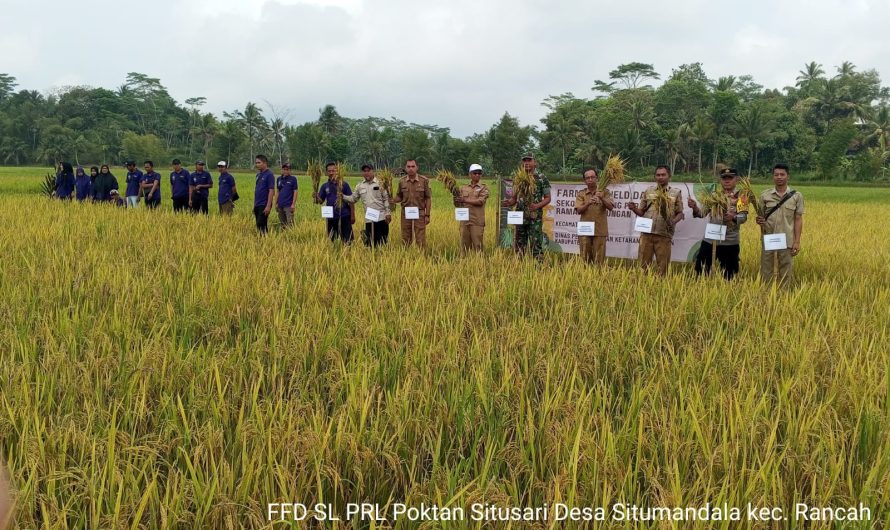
834, 124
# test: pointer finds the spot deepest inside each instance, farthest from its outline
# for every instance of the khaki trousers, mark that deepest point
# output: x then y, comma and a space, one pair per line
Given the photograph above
471, 236
593, 248
658, 246
227, 208
767, 266
414, 230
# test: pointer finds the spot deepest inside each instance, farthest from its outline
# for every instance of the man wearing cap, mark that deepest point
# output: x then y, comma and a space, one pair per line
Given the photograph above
472, 196
151, 185
414, 191
594, 206
179, 186
339, 226
264, 193
116, 199
199, 189
287, 195
134, 181
736, 214
530, 234
373, 197
783, 214
227, 190
664, 205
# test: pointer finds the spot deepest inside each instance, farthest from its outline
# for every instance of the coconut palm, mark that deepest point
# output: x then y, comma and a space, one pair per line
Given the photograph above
754, 126
811, 73
878, 123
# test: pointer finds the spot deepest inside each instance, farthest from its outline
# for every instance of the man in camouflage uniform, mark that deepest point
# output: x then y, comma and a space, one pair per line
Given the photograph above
530, 234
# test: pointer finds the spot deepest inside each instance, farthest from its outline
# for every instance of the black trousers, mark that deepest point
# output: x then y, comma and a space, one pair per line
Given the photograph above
340, 229
180, 204
199, 204
152, 203
727, 257
375, 233
262, 219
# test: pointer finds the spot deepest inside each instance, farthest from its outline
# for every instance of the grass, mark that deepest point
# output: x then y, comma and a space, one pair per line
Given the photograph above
171, 371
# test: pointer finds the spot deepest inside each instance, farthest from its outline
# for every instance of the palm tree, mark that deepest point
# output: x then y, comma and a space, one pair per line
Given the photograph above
831, 101
811, 73
702, 131
846, 69
276, 133
879, 124
725, 84
592, 150
672, 143
754, 126
562, 133
253, 124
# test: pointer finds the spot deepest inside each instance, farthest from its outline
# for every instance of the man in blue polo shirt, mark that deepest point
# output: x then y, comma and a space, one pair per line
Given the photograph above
227, 189
264, 193
151, 185
179, 185
199, 188
340, 227
134, 181
287, 195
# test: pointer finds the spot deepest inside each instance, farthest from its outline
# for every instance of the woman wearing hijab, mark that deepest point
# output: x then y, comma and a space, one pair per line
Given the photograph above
82, 185
65, 182
105, 182
94, 172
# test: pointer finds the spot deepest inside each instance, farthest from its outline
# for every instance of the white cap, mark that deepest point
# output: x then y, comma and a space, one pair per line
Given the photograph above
221, 163
114, 192
475, 167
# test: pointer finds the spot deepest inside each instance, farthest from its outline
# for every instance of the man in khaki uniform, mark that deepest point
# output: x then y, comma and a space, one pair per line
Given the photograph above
664, 218
594, 205
414, 190
473, 196
783, 214
374, 197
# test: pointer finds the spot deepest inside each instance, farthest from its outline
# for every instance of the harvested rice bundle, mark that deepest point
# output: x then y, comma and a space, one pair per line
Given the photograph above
613, 172
314, 170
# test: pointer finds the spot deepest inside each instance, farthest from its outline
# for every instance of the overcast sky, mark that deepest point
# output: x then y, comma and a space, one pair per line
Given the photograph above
458, 64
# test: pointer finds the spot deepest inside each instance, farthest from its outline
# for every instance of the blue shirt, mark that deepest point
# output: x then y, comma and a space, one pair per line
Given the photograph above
226, 183
328, 194
286, 188
150, 178
202, 178
64, 185
133, 181
265, 181
179, 182
82, 187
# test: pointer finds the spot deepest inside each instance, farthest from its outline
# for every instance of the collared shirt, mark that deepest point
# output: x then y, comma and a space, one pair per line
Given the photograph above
477, 213
661, 225
82, 187
286, 186
782, 220
265, 181
372, 195
735, 206
414, 192
134, 179
150, 178
595, 212
542, 188
201, 178
179, 184
226, 183
328, 194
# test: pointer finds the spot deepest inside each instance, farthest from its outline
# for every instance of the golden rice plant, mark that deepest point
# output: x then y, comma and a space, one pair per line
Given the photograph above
339, 179
523, 187
315, 171
749, 196
714, 199
385, 177
613, 172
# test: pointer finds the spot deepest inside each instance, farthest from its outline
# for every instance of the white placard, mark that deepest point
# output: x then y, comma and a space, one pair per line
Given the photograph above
461, 214
372, 215
775, 242
715, 232
585, 228
412, 212
514, 218
327, 212
643, 224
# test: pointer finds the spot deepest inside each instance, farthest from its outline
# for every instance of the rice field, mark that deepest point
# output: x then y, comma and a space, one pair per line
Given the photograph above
177, 371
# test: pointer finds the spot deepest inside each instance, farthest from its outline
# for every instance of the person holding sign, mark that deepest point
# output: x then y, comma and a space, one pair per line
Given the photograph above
530, 232
264, 193
593, 205
782, 225
663, 206
736, 214
332, 194
376, 201
286, 184
415, 197
472, 197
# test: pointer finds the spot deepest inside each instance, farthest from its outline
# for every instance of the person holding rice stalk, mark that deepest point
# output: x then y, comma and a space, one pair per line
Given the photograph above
472, 196
414, 192
374, 197
782, 213
664, 205
331, 193
530, 233
733, 214
594, 205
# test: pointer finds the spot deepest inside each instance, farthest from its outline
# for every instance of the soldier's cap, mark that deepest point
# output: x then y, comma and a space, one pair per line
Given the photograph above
199, 162
528, 156
131, 162
367, 166
475, 167
176, 161
285, 165
728, 173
